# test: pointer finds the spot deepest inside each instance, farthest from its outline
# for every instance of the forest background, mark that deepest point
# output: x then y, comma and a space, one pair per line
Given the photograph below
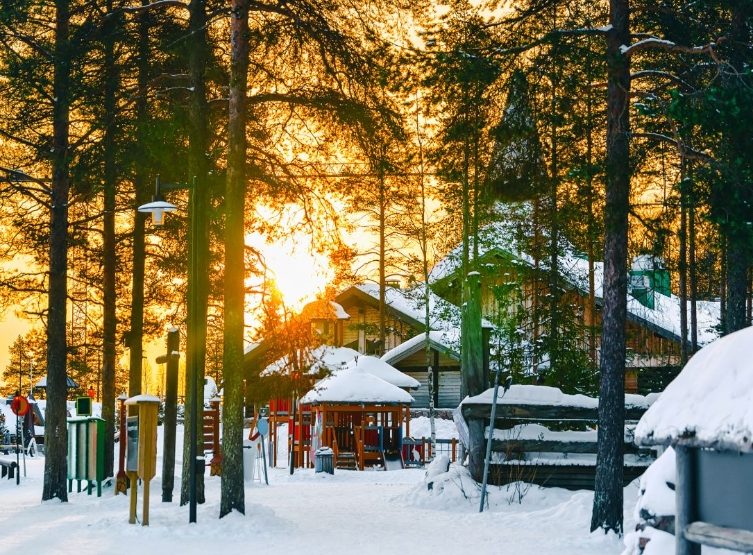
622, 126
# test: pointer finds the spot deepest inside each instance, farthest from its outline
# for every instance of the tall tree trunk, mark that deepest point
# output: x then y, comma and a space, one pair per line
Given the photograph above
554, 233
56, 431
692, 269
232, 487
738, 138
683, 266
110, 323
608, 494
382, 262
198, 286
141, 185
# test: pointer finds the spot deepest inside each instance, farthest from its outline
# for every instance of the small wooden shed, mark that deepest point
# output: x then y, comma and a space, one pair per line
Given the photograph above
361, 417
706, 413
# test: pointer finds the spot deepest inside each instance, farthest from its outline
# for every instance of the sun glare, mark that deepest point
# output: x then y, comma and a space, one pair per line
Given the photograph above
298, 273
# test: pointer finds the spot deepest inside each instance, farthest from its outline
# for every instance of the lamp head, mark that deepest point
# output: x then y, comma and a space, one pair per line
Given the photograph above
157, 207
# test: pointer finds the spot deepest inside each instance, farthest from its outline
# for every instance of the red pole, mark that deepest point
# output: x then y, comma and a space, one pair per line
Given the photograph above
121, 483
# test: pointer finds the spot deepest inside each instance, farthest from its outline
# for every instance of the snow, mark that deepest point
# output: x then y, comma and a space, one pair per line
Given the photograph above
340, 313
370, 513
383, 370
545, 395
710, 403
355, 385
500, 237
324, 358
142, 399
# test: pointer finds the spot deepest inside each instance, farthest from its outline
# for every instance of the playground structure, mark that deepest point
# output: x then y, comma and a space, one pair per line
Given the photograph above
360, 417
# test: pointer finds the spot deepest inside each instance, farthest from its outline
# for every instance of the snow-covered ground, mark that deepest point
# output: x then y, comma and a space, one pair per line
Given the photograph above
367, 512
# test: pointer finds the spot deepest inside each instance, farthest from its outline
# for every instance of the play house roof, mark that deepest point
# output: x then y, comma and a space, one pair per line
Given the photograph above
710, 404
355, 385
383, 370
322, 358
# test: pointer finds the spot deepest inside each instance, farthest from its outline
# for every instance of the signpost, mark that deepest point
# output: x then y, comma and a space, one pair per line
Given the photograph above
142, 457
19, 406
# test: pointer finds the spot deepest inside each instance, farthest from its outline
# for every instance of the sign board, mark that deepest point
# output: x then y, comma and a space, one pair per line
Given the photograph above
132, 444
83, 406
639, 282
262, 426
19, 405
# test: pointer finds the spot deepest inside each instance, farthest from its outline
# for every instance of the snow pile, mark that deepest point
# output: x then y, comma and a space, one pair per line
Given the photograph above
421, 427
354, 385
655, 512
383, 370
550, 396
710, 404
324, 358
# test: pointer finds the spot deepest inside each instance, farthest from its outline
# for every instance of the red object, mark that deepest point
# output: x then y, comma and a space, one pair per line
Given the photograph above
19, 405
91, 393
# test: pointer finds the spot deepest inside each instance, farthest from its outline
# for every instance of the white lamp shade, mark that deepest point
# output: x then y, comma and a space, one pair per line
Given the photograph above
158, 209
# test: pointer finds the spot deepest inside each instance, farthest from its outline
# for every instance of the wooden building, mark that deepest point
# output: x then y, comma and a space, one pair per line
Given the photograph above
514, 282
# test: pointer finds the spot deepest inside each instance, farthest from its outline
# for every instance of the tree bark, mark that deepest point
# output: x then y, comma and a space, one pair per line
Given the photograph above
608, 494
477, 381
232, 487
683, 267
141, 181
56, 431
110, 322
198, 286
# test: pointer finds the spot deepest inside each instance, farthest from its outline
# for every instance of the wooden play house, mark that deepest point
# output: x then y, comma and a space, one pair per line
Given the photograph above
360, 417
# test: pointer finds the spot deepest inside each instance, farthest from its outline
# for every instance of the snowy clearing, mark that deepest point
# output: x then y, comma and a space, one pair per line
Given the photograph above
369, 512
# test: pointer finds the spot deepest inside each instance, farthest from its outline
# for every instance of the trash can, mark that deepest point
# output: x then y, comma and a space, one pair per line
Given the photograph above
324, 460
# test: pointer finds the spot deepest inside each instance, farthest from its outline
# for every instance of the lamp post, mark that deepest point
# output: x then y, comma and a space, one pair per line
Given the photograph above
158, 207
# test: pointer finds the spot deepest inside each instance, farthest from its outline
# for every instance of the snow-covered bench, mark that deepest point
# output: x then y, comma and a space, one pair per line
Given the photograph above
546, 437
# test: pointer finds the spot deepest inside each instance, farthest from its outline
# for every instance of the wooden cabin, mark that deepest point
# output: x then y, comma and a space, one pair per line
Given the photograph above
514, 283
410, 358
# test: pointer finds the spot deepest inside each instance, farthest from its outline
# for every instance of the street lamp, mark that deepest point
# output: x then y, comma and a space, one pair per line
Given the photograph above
158, 207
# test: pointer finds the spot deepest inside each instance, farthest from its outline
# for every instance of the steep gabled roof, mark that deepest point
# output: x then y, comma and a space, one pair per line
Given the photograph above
438, 340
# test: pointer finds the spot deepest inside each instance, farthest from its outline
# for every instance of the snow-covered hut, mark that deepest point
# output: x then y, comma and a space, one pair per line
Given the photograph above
706, 413
359, 416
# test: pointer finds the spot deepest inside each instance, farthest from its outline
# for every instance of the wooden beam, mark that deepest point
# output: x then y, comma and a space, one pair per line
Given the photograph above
542, 412
720, 536
554, 446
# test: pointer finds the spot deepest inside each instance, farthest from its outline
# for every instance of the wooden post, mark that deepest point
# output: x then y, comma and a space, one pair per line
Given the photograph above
215, 465
453, 449
685, 500
171, 414
133, 477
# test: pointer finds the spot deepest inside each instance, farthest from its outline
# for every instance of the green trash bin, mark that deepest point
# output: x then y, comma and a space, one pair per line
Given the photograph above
86, 450
324, 460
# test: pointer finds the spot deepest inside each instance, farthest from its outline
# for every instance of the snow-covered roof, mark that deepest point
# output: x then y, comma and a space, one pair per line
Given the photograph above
446, 341
142, 399
443, 315
355, 385
710, 404
323, 357
501, 237
550, 396
383, 370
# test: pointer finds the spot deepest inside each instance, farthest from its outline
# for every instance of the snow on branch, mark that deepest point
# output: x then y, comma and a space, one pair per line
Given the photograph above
669, 46
158, 4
